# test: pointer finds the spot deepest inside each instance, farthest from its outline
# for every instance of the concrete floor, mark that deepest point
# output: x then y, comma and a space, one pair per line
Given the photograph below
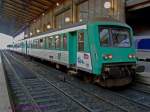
4, 98
146, 64
145, 76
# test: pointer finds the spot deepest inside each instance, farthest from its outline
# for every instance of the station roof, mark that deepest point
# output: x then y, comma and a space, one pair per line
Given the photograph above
18, 13
133, 5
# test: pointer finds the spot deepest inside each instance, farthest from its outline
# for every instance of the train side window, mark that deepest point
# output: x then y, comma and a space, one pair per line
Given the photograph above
81, 41
50, 40
40, 43
35, 44
57, 42
64, 42
28, 44
104, 37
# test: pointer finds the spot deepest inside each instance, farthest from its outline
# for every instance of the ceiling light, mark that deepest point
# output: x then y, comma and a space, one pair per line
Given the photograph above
57, 4
30, 33
48, 26
67, 19
38, 31
81, 20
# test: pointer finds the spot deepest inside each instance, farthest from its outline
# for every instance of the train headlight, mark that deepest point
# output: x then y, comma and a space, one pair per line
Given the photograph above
132, 56
105, 57
109, 56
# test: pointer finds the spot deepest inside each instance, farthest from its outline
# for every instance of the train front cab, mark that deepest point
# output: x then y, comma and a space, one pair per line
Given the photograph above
112, 53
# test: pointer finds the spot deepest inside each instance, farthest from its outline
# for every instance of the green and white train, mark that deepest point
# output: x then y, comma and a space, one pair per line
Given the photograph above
105, 49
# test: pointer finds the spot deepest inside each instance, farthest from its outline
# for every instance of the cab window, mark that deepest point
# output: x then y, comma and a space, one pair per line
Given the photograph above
104, 37
121, 38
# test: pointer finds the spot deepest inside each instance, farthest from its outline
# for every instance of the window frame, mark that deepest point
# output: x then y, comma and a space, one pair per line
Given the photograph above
121, 28
83, 50
109, 39
110, 28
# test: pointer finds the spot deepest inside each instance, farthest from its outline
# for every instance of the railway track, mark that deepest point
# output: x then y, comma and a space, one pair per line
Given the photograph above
115, 99
87, 99
34, 86
34, 94
145, 88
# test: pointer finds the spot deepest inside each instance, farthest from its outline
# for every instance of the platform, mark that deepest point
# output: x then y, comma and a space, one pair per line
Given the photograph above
4, 98
144, 77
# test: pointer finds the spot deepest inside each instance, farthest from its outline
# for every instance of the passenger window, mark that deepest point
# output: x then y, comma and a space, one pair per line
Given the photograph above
57, 42
28, 44
50, 40
104, 37
65, 42
35, 44
81, 41
41, 43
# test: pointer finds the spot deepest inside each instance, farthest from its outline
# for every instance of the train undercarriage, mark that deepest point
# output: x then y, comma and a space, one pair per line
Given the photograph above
116, 75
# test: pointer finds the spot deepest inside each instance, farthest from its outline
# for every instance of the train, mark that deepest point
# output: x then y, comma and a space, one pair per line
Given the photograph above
103, 49
143, 48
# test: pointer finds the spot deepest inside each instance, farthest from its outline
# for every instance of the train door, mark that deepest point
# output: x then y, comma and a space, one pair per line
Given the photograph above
72, 40
83, 54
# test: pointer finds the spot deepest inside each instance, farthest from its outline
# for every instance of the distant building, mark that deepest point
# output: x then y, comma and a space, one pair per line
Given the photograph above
5, 40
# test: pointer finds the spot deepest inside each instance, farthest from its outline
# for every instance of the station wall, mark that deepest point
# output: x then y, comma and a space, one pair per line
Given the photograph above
139, 20
72, 11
